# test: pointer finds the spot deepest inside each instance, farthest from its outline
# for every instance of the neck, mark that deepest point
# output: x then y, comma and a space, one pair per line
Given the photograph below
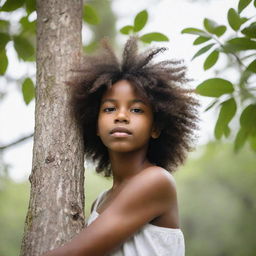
125, 165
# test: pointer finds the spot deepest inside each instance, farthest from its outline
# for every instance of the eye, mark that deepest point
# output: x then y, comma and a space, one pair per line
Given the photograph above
137, 110
109, 109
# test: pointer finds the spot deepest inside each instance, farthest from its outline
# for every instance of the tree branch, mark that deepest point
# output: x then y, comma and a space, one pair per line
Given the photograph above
16, 142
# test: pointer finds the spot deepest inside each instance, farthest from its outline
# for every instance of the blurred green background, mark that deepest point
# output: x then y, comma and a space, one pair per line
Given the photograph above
217, 203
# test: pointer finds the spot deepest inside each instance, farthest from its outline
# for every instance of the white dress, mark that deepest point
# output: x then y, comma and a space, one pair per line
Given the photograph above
150, 240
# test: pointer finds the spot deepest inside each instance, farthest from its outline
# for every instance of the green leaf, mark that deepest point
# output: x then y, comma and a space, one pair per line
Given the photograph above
126, 30
252, 66
211, 60
5, 38
203, 50
243, 4
201, 40
240, 44
3, 62
30, 5
23, 47
28, 26
4, 26
91, 47
227, 112
140, 20
248, 118
11, 5
210, 25
240, 139
252, 140
215, 87
90, 15
250, 31
28, 90
220, 30
195, 31
254, 3
234, 19
226, 131
154, 36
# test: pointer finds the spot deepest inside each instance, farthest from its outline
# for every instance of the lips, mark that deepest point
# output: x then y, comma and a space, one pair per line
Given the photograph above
121, 130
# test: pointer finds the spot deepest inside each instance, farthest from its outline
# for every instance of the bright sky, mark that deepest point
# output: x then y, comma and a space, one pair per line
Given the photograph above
166, 16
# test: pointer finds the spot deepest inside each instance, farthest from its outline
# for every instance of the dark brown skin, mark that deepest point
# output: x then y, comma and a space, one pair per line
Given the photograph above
141, 193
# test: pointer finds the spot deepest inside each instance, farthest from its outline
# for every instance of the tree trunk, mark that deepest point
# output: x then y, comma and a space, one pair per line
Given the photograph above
55, 212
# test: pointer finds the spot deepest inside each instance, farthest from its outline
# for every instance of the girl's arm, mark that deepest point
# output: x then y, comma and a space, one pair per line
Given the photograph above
146, 196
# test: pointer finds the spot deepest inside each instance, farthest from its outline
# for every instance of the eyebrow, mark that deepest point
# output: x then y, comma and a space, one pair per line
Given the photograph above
132, 101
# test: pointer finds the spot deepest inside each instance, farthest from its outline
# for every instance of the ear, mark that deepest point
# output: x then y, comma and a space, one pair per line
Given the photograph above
155, 133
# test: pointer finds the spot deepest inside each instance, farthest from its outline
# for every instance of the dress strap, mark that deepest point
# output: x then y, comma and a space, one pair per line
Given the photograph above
98, 200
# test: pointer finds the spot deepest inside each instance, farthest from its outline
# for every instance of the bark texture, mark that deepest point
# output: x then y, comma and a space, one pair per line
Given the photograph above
55, 212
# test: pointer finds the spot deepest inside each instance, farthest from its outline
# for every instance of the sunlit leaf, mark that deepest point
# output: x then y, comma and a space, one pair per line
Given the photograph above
227, 112
126, 30
28, 90
240, 139
243, 4
211, 60
90, 15
201, 40
248, 118
234, 19
250, 31
195, 31
11, 5
23, 47
140, 20
154, 36
203, 50
3, 62
215, 87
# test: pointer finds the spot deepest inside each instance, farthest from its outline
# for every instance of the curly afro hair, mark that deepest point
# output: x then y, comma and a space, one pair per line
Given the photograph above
174, 109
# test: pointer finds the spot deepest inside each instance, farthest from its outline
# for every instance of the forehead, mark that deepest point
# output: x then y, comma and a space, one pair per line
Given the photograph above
123, 89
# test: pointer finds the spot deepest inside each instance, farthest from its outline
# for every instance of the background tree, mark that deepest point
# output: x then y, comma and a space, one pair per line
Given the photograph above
233, 98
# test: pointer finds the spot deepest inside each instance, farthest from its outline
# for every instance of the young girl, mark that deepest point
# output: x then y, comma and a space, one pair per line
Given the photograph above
138, 124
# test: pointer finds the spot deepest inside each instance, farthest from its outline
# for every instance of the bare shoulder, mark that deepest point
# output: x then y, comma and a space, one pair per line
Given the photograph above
155, 180
154, 187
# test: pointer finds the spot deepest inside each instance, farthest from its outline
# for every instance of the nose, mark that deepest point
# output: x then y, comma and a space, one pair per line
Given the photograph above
122, 116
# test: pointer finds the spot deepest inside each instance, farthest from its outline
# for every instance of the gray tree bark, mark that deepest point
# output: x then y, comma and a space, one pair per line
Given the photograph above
55, 212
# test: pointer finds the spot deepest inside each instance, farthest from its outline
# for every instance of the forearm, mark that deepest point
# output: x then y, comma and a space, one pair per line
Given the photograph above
65, 250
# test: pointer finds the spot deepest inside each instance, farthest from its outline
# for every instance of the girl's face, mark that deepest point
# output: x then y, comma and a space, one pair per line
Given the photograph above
125, 121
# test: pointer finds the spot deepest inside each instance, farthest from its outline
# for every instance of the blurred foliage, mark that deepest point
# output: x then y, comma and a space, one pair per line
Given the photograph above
13, 207
217, 197
233, 99
216, 194
98, 17
139, 23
